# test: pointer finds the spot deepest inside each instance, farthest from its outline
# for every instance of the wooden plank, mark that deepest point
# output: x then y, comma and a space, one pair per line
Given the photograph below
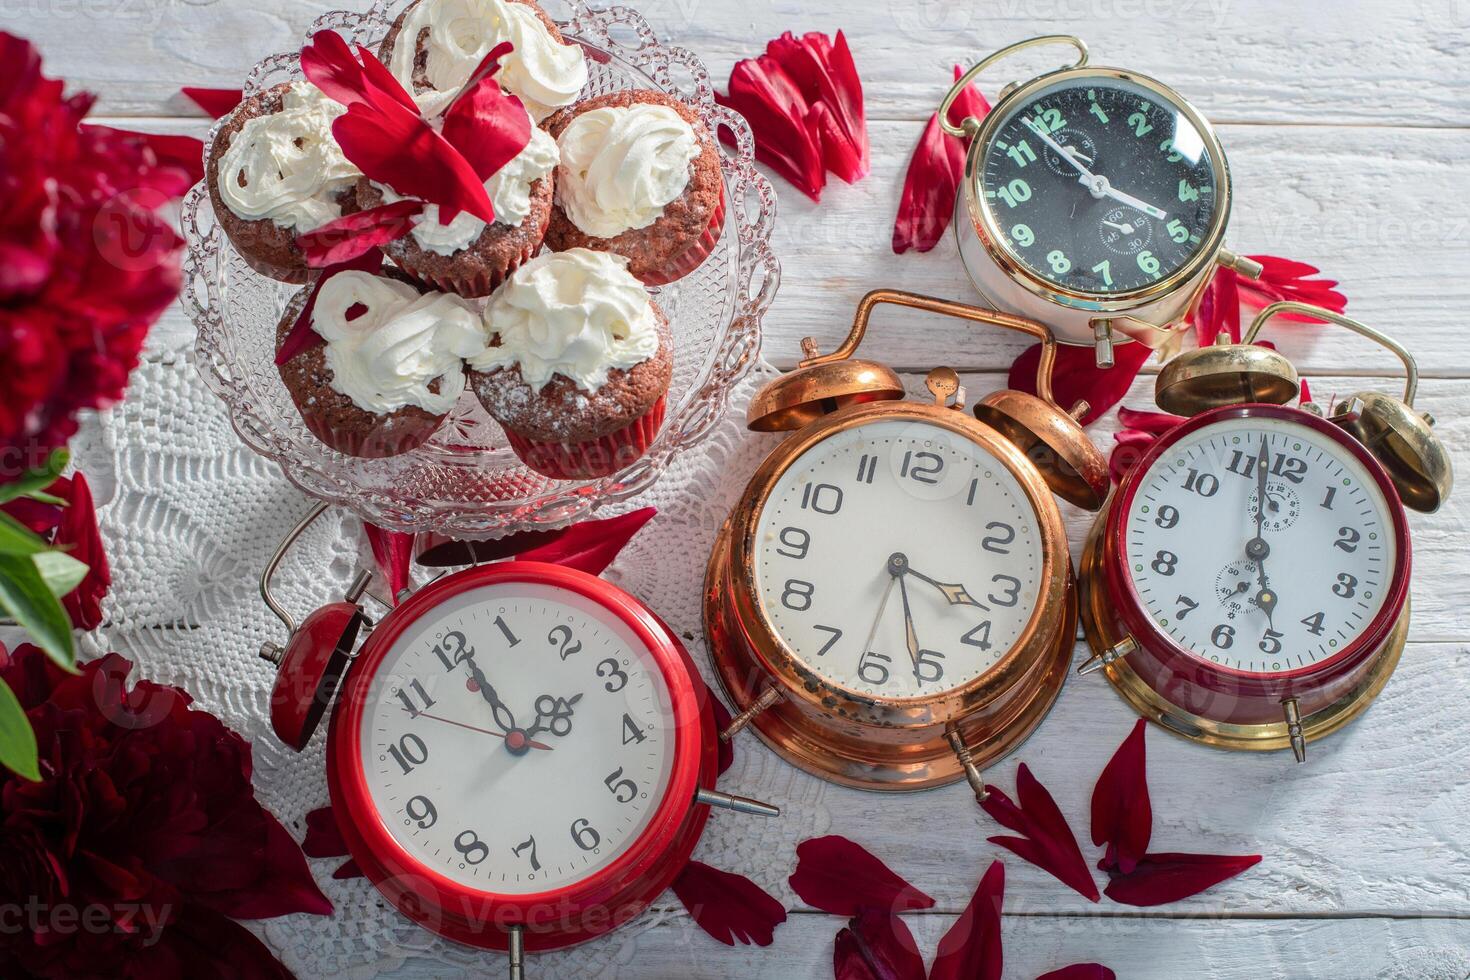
1136, 949
1263, 61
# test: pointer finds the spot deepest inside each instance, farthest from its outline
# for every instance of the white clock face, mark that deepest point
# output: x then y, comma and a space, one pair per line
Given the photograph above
898, 559
518, 738
1280, 595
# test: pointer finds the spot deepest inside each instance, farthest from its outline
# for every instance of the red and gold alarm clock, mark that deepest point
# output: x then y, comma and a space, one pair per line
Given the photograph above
1247, 585
521, 757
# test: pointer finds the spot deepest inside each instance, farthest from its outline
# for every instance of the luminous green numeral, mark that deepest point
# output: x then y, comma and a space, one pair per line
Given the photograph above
1186, 192
1167, 146
1023, 236
1051, 119
1059, 261
1104, 269
1021, 153
1015, 192
1140, 124
1097, 110
1148, 263
1177, 231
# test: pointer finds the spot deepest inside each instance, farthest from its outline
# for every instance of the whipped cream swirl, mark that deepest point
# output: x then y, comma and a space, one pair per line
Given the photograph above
577, 313
289, 163
510, 195
621, 166
545, 73
396, 344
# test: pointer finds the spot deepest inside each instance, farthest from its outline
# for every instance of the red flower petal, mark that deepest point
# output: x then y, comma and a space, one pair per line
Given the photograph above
486, 124
1141, 430
1048, 841
722, 721
354, 235
773, 106
838, 876
728, 906
285, 886
1122, 816
829, 85
1076, 377
77, 534
1081, 971
183, 154
301, 336
328, 63
1163, 878
198, 942
1306, 393
591, 546
876, 945
347, 871
971, 949
1283, 279
323, 837
215, 101
393, 551
1154, 423
932, 181
1219, 308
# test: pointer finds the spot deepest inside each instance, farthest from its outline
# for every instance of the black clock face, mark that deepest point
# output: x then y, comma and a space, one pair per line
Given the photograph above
1100, 186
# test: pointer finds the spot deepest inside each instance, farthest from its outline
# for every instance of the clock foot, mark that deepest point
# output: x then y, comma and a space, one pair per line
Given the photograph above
1115, 652
516, 951
740, 804
973, 775
1294, 729
769, 697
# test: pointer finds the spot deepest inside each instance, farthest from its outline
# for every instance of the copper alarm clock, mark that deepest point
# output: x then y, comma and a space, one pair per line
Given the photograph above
1247, 585
891, 603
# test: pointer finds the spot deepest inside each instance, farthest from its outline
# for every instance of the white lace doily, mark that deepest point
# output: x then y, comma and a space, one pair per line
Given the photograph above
190, 516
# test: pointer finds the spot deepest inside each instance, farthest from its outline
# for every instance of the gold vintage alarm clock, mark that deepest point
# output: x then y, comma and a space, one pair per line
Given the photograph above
1095, 199
891, 603
1247, 585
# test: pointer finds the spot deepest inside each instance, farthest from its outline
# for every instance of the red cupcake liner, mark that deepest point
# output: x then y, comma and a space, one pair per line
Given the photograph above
375, 442
594, 457
482, 283
693, 256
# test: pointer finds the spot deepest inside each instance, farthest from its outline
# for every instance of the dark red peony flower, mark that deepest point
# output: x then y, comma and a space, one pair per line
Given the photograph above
86, 262
142, 842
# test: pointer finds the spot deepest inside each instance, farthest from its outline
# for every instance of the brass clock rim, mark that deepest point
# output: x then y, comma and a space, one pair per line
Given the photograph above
988, 231
783, 665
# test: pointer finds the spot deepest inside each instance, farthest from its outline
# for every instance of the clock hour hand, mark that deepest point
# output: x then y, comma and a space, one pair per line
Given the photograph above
1097, 184
503, 716
554, 715
954, 594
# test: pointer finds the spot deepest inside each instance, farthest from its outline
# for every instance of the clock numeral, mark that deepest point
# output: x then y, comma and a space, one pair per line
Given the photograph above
408, 702
823, 498
421, 809
873, 668
510, 638
1016, 192
1241, 465
1187, 192
1105, 270
1313, 623
1347, 539
1223, 636
631, 732
1148, 263
798, 595
1174, 156
1012, 593
1271, 643
453, 650
1177, 231
1021, 153
867, 468
929, 666
1164, 562
1327, 499
1140, 124
623, 790
609, 668
999, 543
1097, 110
409, 752
1167, 517
1204, 484
1023, 236
923, 467
528, 844
797, 539
1050, 119
1060, 264
583, 834
470, 847
1292, 468
978, 637
561, 638
831, 641
1346, 587
1186, 606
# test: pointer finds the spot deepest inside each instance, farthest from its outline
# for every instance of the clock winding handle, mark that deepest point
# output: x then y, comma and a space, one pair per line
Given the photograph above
1411, 367
740, 804
768, 697
970, 125
1294, 729
973, 776
516, 951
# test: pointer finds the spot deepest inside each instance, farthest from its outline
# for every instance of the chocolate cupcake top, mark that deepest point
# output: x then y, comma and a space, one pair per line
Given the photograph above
283, 164
388, 346
437, 45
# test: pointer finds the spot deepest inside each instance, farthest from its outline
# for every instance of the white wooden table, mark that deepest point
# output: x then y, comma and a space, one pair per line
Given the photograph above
1347, 124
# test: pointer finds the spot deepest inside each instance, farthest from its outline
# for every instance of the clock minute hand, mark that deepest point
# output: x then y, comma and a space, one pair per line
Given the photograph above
955, 594
503, 716
1059, 149
1098, 184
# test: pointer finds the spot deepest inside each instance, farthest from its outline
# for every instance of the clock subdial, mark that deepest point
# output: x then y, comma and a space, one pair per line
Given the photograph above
1076, 145
522, 739
1283, 505
1125, 231
1233, 586
898, 559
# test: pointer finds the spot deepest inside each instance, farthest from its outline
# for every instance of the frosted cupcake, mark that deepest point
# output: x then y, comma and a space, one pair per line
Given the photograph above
435, 46
276, 172
576, 364
467, 256
391, 365
639, 176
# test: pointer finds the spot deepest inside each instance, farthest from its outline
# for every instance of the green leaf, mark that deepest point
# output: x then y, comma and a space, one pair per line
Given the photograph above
17, 539
25, 596
42, 497
35, 480
17, 740
61, 572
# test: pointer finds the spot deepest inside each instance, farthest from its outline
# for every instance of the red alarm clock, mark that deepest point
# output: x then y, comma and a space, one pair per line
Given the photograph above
522, 756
